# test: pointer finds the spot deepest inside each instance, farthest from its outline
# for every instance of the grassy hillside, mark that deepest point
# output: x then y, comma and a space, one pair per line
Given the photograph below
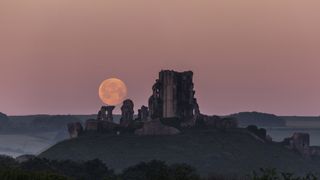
210, 151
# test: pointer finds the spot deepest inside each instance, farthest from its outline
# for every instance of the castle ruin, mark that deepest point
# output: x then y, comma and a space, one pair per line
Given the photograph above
173, 96
172, 100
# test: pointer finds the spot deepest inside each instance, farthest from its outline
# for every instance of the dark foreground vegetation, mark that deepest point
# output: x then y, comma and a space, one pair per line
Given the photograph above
43, 169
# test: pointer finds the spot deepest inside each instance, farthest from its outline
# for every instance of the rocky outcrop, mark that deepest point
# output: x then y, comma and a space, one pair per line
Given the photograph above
75, 129
127, 113
155, 127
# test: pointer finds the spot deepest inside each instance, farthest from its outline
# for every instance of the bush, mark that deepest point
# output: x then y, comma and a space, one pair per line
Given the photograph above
17, 174
183, 172
272, 174
7, 162
159, 170
155, 170
93, 169
44, 169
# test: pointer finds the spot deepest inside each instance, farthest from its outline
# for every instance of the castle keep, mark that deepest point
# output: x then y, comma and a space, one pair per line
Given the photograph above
173, 96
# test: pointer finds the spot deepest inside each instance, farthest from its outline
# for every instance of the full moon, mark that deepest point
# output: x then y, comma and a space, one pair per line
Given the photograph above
112, 91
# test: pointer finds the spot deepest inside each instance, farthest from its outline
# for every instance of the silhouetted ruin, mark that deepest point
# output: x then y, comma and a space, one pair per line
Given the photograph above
173, 96
171, 106
109, 113
102, 115
143, 114
127, 113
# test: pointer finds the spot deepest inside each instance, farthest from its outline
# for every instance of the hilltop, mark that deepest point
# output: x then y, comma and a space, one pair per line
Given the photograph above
210, 151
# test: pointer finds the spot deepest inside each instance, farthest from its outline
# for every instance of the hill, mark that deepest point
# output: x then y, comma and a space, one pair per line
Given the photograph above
3, 120
302, 121
259, 119
43, 123
210, 151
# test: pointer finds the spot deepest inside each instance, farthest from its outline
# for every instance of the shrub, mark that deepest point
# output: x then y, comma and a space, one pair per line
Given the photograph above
159, 170
272, 174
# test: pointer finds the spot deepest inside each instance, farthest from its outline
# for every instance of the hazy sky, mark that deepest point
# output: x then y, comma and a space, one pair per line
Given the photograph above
261, 55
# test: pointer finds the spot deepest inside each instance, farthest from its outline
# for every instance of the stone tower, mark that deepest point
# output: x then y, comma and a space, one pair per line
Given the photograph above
173, 96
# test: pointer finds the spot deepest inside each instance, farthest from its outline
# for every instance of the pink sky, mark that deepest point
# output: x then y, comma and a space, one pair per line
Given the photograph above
247, 55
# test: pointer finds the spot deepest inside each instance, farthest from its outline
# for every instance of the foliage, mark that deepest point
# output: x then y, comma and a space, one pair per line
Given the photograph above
7, 162
272, 174
93, 169
183, 172
18, 174
159, 170
44, 169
